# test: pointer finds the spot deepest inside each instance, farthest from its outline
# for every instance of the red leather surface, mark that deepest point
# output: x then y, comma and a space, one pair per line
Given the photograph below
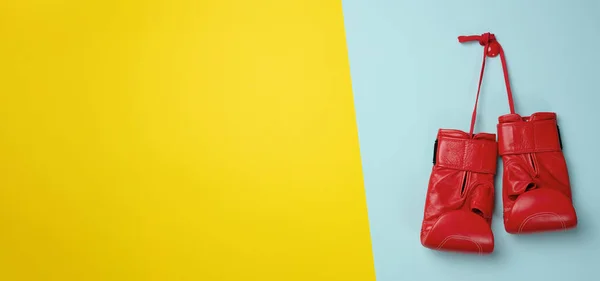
460, 200
463, 154
526, 137
535, 185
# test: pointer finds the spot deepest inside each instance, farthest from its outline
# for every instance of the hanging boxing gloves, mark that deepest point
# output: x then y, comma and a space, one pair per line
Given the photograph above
536, 193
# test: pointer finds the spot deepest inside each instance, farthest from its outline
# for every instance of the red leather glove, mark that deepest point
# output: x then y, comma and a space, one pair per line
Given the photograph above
536, 193
460, 197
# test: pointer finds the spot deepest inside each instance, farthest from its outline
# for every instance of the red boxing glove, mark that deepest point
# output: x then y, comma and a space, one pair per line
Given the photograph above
536, 193
460, 197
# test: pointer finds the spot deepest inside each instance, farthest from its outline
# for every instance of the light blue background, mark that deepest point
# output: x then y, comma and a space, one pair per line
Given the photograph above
411, 76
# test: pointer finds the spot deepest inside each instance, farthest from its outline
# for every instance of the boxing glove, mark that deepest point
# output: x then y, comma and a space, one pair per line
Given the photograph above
536, 193
460, 197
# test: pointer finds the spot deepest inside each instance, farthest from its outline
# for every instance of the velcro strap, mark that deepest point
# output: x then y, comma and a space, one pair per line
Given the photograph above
528, 137
474, 155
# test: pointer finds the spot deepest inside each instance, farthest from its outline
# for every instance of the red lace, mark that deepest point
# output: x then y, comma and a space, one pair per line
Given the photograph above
491, 49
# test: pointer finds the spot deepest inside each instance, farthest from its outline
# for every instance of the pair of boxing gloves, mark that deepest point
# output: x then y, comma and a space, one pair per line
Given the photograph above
536, 193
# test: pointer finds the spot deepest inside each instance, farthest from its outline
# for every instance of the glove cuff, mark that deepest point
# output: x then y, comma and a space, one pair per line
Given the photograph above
535, 133
455, 150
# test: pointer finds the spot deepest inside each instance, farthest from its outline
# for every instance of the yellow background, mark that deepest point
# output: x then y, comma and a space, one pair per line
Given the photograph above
178, 140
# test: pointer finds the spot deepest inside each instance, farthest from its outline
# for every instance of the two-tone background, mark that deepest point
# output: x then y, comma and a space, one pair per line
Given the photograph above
273, 140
